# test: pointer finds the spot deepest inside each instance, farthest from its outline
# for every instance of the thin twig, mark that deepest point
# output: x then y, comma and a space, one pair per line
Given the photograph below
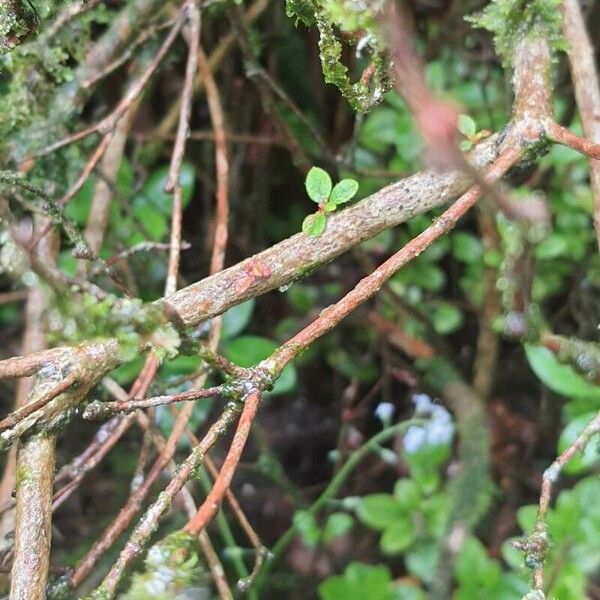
67, 15
582, 61
217, 118
563, 136
173, 184
538, 542
99, 410
24, 411
213, 501
187, 96
113, 66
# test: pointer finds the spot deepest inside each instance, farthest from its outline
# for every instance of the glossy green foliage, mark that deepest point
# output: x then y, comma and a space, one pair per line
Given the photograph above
361, 581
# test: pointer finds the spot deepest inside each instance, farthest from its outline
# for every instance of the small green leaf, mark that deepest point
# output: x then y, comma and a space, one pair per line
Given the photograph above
466, 125
338, 523
344, 191
435, 511
307, 527
153, 220
318, 185
182, 365
359, 582
125, 178
421, 560
446, 318
474, 565
314, 225
79, 208
379, 511
329, 206
398, 536
127, 372
407, 494
466, 247
67, 263
153, 188
554, 245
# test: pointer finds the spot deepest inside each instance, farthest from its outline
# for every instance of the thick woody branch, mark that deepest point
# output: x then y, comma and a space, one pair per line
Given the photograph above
299, 255
34, 468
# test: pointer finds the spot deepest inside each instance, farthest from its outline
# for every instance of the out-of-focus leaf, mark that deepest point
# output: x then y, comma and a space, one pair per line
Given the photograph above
559, 377
337, 524
153, 188
379, 511
237, 318
359, 582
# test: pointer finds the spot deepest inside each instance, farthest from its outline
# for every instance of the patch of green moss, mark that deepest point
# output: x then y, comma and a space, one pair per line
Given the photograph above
32, 67
61, 589
357, 24
511, 20
22, 476
18, 21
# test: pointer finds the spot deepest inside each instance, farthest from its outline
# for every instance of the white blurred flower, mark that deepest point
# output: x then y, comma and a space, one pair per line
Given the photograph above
437, 431
388, 456
384, 411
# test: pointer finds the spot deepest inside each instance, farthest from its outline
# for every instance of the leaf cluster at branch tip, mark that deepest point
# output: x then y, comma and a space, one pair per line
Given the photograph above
321, 190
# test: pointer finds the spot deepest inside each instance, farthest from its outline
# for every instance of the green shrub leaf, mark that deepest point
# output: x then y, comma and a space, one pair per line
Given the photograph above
318, 185
314, 225
379, 511
398, 536
344, 191
559, 377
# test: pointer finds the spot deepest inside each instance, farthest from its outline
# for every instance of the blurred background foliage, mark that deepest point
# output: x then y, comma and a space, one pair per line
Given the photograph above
379, 535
